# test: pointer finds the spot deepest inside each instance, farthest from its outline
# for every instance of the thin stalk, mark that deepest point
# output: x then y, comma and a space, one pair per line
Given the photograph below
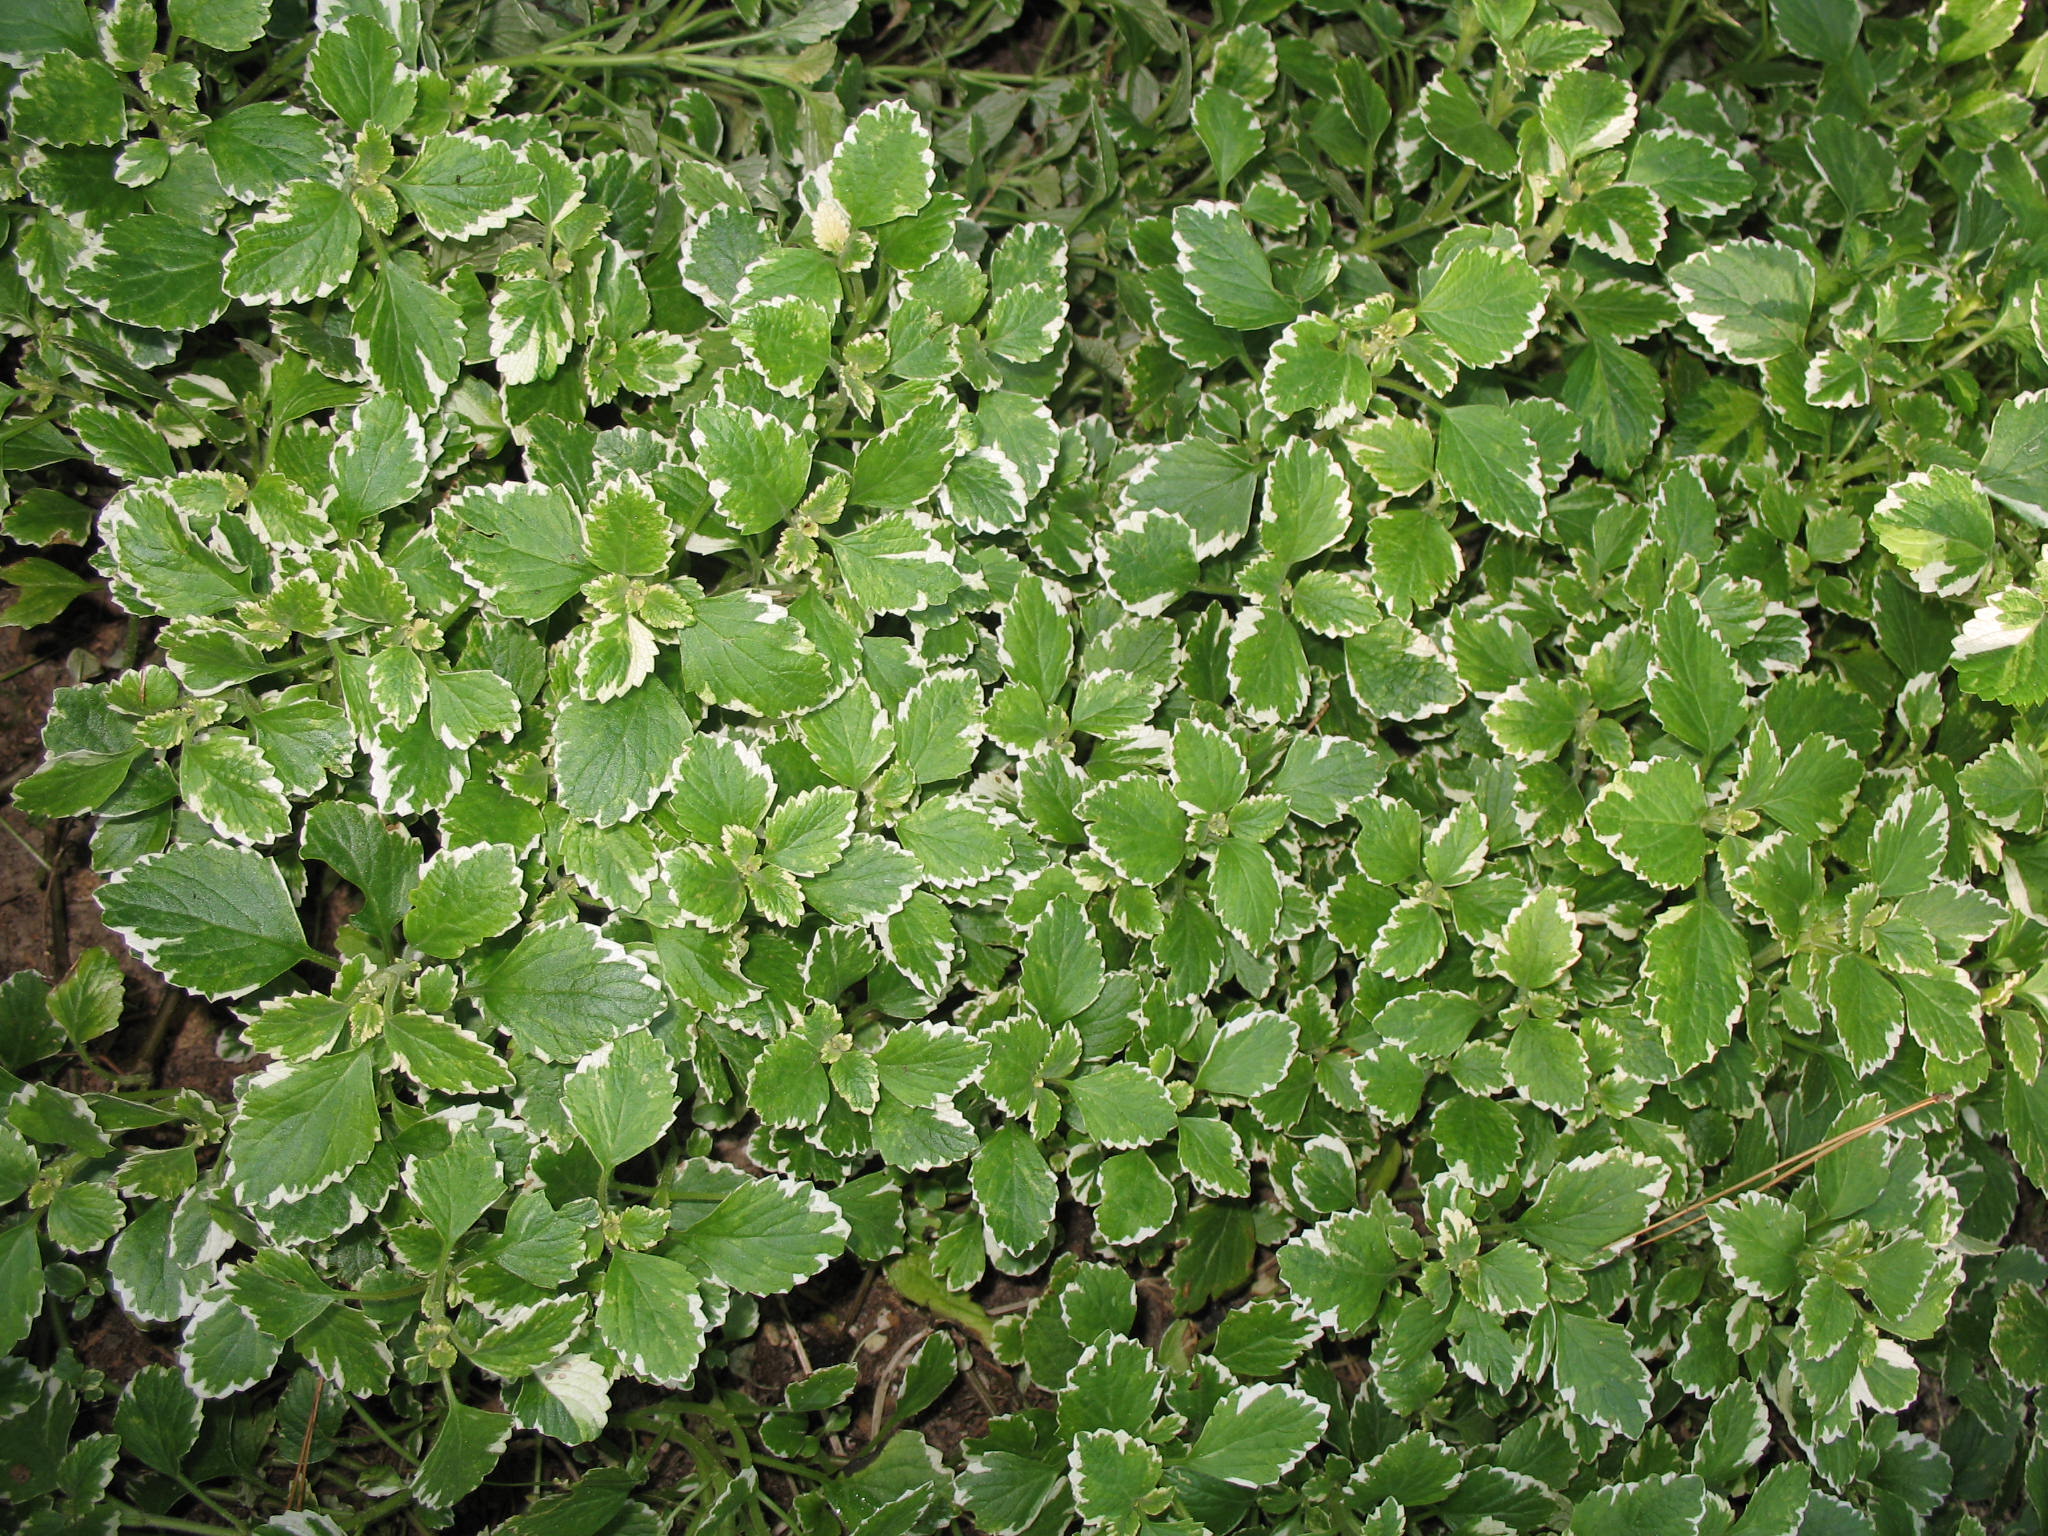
1687, 1215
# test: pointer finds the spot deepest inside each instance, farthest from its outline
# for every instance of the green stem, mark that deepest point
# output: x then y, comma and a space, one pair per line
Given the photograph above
207, 1499
378, 1430
144, 1520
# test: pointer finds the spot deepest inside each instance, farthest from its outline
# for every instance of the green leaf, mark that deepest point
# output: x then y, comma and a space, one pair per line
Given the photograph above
765, 1237
1226, 269
756, 465
884, 167
158, 1419
1015, 1189
1308, 502
1617, 397
622, 1097
1539, 942
215, 920
1598, 1376
1591, 1203
1696, 980
1751, 299
232, 787
614, 759
1937, 524
895, 564
2019, 1337
1480, 1140
1062, 967
1485, 305
357, 70
746, 652
1258, 1434
2001, 652
409, 334
649, 1314
1672, 1502
152, 270
1650, 817
1340, 1269
1761, 1240
43, 590
1137, 827
564, 990
1121, 1106
1488, 460
461, 185
1229, 130
302, 1126
1249, 1055
302, 247
1693, 685
465, 1452
64, 99
2012, 467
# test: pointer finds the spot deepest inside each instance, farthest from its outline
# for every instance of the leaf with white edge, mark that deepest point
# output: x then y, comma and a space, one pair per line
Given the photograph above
465, 1451
895, 564
884, 167
1539, 941
233, 788
1245, 890
1249, 1055
614, 759
1121, 1106
158, 1419
564, 990
1585, 111
1111, 1471
302, 247
1691, 173
1621, 221
465, 896
2001, 652
1268, 668
1488, 460
756, 465
1591, 1203
1751, 299
622, 1097
1480, 1140
152, 270
1226, 269
1937, 524
1674, 1503
1696, 980
1134, 1202
745, 651
1137, 827
302, 1126
649, 1314
765, 1237
461, 185
1339, 1270
1308, 502
2019, 1336
870, 884
1597, 1374
1485, 305
1651, 817
1062, 969
215, 920
1257, 1434
520, 546
1761, 1239
1015, 1189
2012, 467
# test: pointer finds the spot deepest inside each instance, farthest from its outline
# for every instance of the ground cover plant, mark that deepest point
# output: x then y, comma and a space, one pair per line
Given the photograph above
1322, 725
